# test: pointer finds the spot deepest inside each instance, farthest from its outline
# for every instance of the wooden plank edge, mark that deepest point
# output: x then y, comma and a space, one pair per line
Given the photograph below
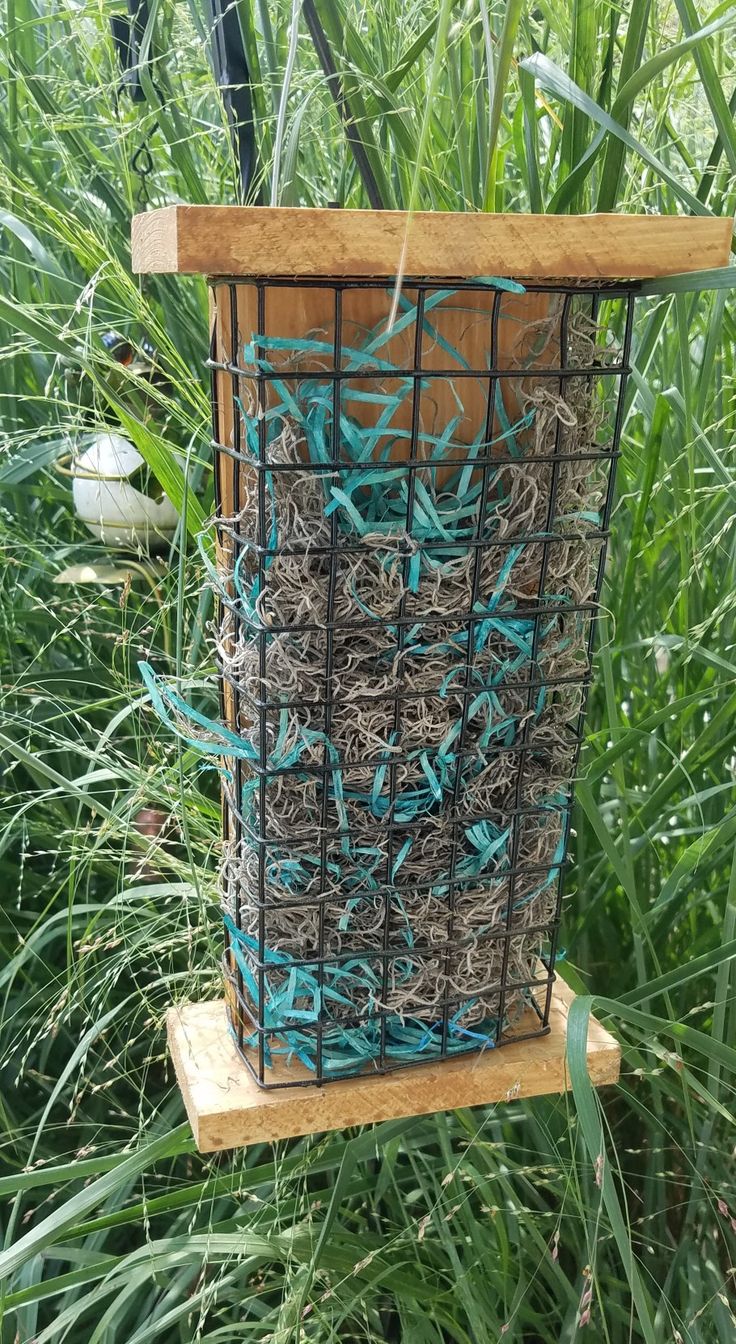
227, 1109
154, 241
265, 241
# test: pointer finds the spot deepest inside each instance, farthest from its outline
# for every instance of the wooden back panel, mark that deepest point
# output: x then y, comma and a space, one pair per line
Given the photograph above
517, 330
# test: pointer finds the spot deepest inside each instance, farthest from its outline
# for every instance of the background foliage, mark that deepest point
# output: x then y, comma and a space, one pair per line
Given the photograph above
528, 1222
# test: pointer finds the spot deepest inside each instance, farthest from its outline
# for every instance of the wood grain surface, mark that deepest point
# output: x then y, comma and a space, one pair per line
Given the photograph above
227, 1109
233, 240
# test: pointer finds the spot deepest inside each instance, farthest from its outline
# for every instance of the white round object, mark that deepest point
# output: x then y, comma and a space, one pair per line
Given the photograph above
112, 509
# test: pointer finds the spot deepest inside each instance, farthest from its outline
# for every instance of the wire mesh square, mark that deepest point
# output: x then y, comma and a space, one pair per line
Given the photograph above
412, 524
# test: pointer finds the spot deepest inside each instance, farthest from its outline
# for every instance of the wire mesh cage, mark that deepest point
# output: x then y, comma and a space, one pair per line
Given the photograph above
414, 487
414, 495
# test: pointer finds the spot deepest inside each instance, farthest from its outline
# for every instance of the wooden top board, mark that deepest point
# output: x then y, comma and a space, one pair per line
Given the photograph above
227, 1109
234, 240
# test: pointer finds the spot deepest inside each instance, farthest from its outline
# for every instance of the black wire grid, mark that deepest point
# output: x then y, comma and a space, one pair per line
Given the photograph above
607, 304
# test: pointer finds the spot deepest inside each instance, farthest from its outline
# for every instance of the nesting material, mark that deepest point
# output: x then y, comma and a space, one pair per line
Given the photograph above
406, 600
408, 662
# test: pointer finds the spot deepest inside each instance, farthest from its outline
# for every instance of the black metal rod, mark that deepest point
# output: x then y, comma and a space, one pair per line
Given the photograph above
335, 85
233, 77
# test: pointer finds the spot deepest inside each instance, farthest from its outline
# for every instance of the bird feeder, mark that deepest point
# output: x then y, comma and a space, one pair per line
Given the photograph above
416, 424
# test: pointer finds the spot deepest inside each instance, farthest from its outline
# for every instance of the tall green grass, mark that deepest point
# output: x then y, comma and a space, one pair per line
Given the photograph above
530, 1222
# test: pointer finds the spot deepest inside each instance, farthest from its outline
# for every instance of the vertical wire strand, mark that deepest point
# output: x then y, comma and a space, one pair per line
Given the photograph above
261, 391
411, 463
469, 668
231, 891
237, 762
328, 766
517, 822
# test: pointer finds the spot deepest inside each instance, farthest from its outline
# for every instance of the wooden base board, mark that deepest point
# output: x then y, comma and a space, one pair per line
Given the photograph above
227, 1109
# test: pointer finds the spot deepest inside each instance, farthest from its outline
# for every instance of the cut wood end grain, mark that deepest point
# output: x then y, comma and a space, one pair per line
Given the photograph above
265, 241
227, 1109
